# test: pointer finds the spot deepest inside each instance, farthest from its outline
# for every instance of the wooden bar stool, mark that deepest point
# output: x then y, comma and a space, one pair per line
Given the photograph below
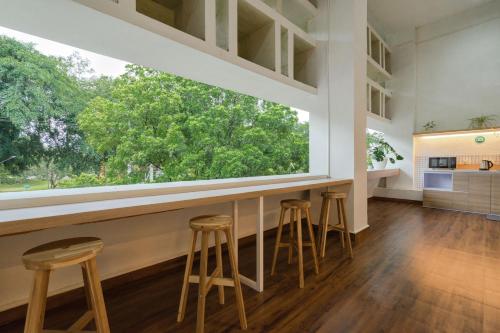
206, 224
295, 207
66, 252
341, 227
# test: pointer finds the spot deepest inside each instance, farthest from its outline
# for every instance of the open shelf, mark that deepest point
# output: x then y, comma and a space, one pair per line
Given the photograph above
387, 106
375, 48
299, 12
256, 36
184, 15
378, 57
378, 100
284, 51
222, 24
387, 61
303, 54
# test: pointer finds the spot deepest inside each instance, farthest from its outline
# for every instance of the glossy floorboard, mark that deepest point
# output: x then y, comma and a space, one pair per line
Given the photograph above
417, 270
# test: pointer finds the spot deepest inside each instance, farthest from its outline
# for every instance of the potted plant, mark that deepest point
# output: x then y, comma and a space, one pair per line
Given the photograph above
380, 152
482, 122
429, 126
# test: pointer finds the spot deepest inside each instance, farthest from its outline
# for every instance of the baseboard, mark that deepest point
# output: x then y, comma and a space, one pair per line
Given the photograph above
396, 193
394, 200
361, 235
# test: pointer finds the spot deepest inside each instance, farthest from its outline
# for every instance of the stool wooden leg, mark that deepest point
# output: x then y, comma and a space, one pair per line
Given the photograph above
95, 292
278, 240
38, 300
299, 248
325, 227
237, 283
341, 221
313, 242
218, 254
80, 324
346, 230
320, 225
200, 321
291, 243
187, 273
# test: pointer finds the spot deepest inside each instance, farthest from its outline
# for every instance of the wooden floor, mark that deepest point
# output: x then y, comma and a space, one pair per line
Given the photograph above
418, 270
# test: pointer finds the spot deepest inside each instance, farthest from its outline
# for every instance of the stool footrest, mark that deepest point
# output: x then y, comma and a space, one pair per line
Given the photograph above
227, 282
295, 245
337, 227
62, 331
81, 322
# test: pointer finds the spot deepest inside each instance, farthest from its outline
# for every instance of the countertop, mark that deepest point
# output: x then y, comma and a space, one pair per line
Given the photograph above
462, 171
14, 221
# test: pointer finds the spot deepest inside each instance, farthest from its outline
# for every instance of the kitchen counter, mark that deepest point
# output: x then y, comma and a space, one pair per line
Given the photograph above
462, 171
476, 191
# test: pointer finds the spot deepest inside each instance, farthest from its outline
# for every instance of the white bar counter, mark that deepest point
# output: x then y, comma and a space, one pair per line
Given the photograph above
21, 220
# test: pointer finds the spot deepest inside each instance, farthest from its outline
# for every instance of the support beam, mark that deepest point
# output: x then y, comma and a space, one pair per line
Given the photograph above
347, 95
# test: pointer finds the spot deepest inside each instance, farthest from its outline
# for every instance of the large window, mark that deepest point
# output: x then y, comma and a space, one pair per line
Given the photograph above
72, 118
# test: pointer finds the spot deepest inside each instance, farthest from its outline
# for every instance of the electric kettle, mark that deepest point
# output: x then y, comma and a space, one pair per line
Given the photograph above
485, 165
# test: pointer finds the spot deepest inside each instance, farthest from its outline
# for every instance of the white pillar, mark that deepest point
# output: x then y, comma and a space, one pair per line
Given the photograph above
347, 96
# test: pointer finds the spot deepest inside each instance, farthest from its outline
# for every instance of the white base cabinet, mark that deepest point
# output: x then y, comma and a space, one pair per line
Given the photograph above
470, 192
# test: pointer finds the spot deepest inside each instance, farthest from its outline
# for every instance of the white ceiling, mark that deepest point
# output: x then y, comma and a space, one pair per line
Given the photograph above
398, 15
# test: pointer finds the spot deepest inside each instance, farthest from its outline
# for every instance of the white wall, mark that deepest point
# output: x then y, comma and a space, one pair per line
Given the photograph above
142, 241
458, 72
448, 71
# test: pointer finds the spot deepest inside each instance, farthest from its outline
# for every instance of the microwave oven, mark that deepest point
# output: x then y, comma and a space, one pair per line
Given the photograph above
442, 162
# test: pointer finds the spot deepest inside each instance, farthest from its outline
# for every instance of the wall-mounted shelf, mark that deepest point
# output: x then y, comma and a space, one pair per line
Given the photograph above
185, 15
299, 12
248, 33
256, 36
378, 100
378, 72
378, 57
303, 55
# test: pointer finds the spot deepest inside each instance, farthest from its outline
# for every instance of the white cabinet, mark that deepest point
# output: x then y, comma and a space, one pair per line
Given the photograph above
479, 198
495, 194
464, 191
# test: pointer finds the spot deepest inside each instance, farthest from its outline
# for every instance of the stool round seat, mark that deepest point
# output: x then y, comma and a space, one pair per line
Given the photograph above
44, 259
333, 195
62, 253
211, 222
295, 203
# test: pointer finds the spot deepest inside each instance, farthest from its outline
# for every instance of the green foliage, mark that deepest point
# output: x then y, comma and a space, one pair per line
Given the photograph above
39, 101
430, 125
82, 180
188, 130
72, 129
378, 149
482, 121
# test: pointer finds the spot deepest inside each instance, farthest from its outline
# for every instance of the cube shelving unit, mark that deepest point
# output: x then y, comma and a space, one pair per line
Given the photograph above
256, 36
269, 37
378, 99
303, 55
378, 72
185, 15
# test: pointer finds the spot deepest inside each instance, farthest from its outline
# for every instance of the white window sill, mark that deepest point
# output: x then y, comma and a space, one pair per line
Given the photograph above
15, 200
